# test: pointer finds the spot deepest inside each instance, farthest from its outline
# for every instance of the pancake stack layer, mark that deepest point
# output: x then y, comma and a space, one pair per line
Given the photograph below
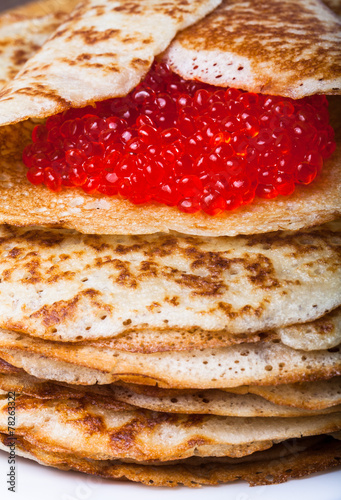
169, 349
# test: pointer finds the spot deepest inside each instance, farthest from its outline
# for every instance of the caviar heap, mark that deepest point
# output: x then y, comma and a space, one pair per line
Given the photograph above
184, 143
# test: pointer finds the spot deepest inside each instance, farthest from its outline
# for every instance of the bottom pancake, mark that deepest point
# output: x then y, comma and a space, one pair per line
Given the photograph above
288, 460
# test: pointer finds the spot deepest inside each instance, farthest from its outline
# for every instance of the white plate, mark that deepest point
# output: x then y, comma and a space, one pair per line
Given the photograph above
37, 482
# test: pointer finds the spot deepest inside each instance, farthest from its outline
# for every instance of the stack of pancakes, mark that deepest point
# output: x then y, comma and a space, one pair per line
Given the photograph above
167, 348
170, 358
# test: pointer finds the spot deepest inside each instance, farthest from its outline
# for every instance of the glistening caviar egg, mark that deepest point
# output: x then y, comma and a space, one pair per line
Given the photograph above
185, 144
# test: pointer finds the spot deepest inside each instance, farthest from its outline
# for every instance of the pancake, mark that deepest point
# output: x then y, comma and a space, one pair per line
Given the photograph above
314, 34
94, 431
218, 402
20, 38
263, 47
102, 50
269, 363
323, 333
266, 468
26, 204
213, 402
317, 395
308, 395
122, 364
65, 286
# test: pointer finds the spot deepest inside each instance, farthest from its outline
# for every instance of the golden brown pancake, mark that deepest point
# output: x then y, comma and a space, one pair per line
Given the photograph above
263, 363
21, 37
213, 402
94, 430
290, 460
102, 50
65, 286
264, 47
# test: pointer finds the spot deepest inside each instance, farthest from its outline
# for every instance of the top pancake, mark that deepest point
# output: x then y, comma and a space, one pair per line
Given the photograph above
20, 38
103, 50
290, 49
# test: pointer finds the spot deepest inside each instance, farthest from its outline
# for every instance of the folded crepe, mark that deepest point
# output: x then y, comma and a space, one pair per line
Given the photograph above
265, 47
308, 395
102, 50
21, 37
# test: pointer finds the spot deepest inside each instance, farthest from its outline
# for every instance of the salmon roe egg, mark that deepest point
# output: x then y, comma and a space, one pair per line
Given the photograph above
184, 143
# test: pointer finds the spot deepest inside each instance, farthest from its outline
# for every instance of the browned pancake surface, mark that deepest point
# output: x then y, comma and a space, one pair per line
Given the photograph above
267, 46
277, 465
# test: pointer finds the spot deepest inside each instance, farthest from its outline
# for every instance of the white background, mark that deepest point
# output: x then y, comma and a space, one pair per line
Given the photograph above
37, 482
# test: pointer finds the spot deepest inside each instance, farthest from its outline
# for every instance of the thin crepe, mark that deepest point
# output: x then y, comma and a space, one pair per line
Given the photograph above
244, 364
323, 333
70, 287
102, 50
20, 38
317, 395
309, 395
39, 8
288, 460
23, 203
218, 402
334, 5
265, 47
93, 431
211, 402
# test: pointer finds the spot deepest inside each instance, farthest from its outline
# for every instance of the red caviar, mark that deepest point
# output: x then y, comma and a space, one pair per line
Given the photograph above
184, 143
